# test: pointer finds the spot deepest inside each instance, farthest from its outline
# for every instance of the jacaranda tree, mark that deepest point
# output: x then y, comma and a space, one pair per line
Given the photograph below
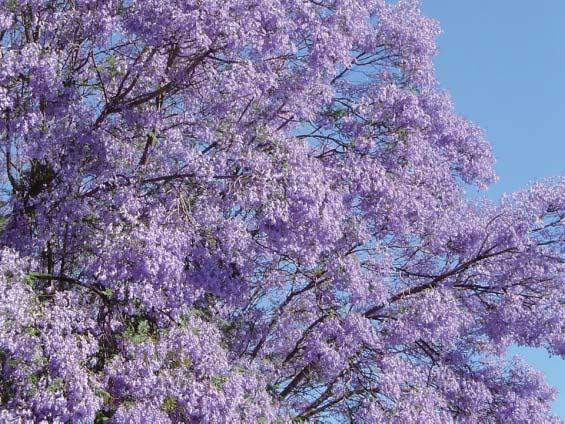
232, 211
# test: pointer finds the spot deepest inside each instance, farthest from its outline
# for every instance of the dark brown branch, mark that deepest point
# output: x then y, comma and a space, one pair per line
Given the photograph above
64, 279
435, 282
277, 315
295, 381
115, 105
303, 337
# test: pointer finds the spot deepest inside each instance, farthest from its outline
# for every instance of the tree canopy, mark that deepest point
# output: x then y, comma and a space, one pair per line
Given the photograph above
255, 211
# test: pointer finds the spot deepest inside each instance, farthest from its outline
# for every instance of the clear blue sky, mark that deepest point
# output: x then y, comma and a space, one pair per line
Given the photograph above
504, 63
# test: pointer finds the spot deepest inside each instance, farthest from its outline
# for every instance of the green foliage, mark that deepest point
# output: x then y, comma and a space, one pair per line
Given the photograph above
101, 417
56, 385
138, 332
219, 382
169, 404
106, 397
33, 331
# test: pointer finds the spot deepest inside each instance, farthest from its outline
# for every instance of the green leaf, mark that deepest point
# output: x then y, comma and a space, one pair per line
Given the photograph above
108, 292
106, 397
219, 382
56, 385
29, 278
169, 404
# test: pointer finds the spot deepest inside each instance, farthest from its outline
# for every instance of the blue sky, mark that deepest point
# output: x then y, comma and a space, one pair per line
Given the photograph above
503, 62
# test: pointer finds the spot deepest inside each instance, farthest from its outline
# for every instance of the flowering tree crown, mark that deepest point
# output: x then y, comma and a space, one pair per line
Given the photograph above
254, 211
